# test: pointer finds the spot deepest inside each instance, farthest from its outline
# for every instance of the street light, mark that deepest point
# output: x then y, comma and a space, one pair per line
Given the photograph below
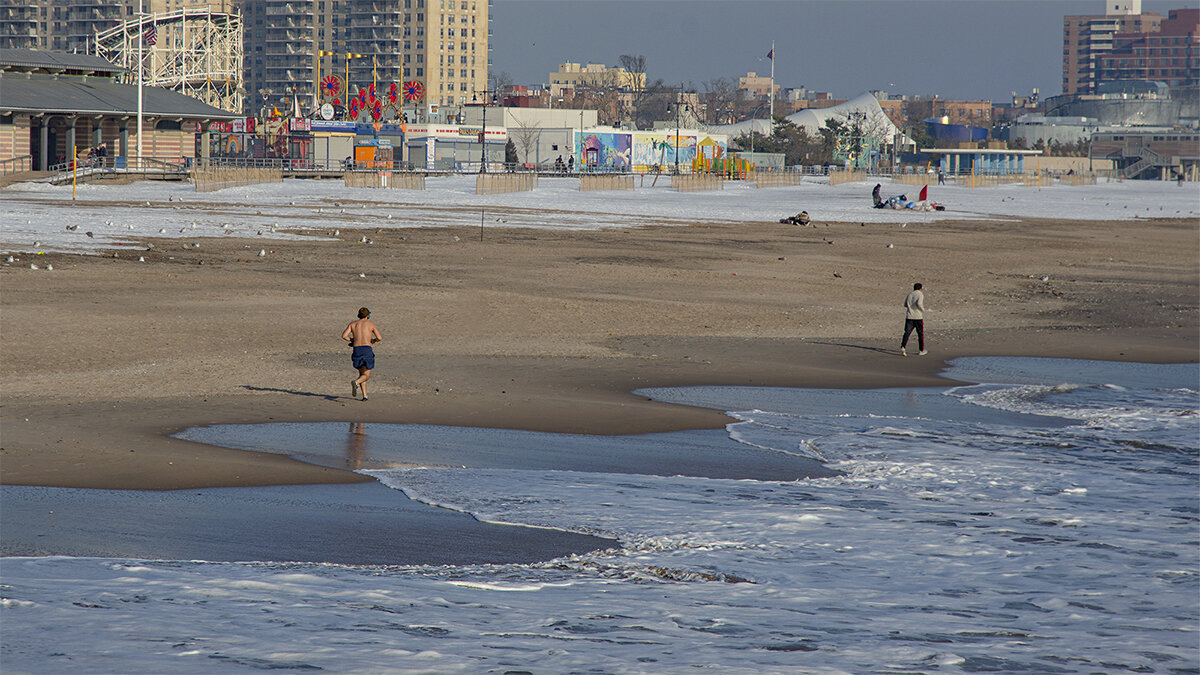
483, 134
680, 108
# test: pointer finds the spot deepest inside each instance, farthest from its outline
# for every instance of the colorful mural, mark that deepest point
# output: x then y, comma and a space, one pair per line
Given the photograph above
658, 151
606, 151
645, 152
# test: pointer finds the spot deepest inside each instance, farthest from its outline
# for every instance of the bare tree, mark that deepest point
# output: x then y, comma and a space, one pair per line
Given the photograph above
635, 65
503, 82
527, 136
721, 95
861, 131
651, 103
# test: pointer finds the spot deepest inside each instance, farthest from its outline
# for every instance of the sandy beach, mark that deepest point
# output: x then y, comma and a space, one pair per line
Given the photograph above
540, 329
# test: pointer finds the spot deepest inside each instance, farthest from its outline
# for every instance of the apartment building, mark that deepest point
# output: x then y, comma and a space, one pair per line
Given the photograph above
757, 86
572, 76
1170, 54
70, 25
442, 44
1088, 38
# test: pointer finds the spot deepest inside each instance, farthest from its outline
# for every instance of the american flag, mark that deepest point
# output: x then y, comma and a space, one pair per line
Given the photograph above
770, 54
150, 37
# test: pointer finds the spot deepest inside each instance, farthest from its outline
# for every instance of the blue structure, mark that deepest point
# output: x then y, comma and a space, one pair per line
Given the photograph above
954, 133
981, 161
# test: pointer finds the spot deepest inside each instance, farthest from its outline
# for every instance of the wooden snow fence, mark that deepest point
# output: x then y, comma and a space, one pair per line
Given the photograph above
401, 180
699, 182
769, 179
500, 183
589, 182
839, 177
219, 178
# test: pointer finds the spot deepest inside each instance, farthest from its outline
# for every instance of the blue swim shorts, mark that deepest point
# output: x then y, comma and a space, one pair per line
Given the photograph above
363, 357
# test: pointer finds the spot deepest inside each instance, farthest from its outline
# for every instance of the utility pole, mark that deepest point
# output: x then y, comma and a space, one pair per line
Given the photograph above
140, 38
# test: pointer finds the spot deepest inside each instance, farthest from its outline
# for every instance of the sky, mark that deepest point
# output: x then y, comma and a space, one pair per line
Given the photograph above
957, 49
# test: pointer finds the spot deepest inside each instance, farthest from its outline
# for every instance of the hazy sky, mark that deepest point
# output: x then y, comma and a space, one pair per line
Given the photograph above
958, 49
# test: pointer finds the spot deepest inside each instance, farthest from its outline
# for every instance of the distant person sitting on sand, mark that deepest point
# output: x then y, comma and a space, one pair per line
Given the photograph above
798, 219
914, 318
361, 334
875, 196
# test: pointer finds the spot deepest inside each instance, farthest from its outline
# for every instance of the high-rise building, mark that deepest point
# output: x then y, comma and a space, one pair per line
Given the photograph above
70, 25
1087, 38
441, 44
1170, 54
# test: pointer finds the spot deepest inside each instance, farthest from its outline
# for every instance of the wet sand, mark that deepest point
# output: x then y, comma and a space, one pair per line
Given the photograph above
540, 330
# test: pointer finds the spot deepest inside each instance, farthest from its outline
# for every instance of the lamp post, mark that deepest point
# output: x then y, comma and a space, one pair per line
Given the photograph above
483, 134
680, 107
349, 55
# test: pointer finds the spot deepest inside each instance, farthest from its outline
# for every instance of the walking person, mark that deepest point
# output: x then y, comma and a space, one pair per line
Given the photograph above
914, 318
361, 334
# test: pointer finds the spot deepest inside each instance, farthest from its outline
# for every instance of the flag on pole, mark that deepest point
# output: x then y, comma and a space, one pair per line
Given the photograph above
150, 37
771, 54
924, 193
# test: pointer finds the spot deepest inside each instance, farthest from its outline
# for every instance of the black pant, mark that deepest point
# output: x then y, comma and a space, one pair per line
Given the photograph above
909, 325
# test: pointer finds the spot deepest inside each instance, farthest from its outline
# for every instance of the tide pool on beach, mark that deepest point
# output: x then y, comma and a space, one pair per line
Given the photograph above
1044, 520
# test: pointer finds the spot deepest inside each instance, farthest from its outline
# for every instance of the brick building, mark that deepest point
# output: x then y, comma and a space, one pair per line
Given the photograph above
1170, 54
1088, 38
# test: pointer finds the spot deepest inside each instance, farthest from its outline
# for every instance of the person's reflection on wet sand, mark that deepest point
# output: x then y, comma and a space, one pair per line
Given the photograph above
356, 445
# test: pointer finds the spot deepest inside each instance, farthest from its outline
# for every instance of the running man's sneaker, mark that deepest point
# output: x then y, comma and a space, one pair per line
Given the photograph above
353, 388
903, 351
922, 352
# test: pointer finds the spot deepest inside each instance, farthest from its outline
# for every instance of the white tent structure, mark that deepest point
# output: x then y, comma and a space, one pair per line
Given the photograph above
873, 121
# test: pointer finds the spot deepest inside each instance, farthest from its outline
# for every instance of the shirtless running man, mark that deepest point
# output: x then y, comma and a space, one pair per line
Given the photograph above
361, 334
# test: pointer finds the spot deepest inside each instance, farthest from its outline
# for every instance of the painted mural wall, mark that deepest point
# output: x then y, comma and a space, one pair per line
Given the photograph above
645, 152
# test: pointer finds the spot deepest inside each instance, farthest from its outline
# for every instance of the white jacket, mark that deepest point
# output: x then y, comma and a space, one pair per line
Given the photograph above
914, 305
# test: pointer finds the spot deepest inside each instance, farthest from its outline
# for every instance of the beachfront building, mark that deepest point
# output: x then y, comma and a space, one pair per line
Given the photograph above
318, 51
993, 160
53, 105
1151, 154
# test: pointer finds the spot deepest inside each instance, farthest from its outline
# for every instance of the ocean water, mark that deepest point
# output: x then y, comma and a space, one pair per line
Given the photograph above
1045, 521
